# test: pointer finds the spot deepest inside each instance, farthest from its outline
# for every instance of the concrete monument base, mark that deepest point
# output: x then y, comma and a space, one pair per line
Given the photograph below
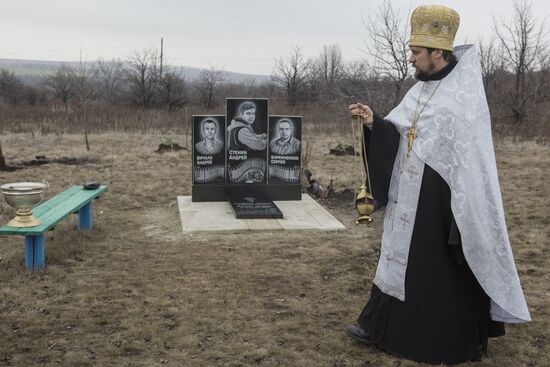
218, 217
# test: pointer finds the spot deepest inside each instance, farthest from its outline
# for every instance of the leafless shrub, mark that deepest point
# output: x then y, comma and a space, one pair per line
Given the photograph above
173, 90
307, 149
59, 85
11, 87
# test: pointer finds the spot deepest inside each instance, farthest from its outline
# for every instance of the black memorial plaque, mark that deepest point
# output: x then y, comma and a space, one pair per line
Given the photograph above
246, 141
208, 150
252, 202
285, 134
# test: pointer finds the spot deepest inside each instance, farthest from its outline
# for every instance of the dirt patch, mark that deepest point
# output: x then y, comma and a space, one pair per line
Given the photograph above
40, 160
9, 168
343, 150
174, 147
340, 199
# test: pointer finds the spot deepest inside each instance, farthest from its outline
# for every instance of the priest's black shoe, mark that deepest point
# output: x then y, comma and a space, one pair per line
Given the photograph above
357, 333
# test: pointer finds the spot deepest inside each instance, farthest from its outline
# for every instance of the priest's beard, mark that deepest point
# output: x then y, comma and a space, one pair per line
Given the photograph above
425, 75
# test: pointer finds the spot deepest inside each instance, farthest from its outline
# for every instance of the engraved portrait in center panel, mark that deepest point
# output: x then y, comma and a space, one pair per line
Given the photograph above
246, 140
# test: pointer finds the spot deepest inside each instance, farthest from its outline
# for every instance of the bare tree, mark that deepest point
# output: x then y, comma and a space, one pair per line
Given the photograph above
388, 44
329, 66
31, 95
173, 90
11, 89
354, 82
250, 87
207, 82
110, 75
10, 86
292, 75
544, 95
142, 76
82, 82
490, 58
523, 43
60, 85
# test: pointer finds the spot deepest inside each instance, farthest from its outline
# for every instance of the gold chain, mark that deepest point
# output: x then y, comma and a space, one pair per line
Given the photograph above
356, 135
365, 154
411, 133
354, 138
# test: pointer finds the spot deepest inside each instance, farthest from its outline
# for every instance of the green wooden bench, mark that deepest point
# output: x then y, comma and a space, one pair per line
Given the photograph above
73, 200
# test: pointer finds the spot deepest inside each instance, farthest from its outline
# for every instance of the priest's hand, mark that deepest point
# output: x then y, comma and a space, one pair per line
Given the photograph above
362, 110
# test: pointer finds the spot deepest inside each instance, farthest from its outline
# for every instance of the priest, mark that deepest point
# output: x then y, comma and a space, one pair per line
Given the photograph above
446, 280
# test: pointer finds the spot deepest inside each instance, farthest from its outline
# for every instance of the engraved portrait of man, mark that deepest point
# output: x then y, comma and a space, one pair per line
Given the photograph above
209, 145
285, 143
241, 134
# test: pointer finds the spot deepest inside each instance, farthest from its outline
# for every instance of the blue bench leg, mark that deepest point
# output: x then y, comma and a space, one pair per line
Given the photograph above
35, 255
29, 252
85, 216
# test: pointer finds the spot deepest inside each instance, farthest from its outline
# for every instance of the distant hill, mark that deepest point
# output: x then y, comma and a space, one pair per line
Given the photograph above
32, 71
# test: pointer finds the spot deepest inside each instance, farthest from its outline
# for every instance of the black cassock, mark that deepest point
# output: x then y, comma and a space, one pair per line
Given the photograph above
445, 315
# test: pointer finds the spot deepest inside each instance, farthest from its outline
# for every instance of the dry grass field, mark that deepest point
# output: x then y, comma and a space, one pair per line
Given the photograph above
136, 291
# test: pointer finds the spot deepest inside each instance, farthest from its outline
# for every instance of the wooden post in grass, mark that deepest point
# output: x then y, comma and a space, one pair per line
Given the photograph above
86, 139
2, 160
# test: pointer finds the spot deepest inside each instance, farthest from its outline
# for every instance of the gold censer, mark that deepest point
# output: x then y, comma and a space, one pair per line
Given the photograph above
364, 202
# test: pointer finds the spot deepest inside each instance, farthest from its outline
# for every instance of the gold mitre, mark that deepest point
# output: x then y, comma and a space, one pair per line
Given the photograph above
434, 26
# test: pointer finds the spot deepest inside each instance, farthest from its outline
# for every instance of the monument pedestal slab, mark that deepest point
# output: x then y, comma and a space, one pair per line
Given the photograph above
218, 216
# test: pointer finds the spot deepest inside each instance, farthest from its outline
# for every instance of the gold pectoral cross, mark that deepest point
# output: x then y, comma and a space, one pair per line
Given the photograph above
411, 134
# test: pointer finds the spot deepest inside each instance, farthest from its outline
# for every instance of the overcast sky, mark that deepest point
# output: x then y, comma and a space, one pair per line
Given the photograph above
240, 35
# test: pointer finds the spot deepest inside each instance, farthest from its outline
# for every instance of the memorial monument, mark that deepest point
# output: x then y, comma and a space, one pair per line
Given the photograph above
247, 157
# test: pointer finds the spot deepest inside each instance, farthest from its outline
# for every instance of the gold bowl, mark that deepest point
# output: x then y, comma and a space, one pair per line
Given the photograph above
23, 196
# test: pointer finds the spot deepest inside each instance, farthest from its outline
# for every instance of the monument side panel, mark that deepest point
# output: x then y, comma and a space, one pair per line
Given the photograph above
208, 157
285, 149
246, 140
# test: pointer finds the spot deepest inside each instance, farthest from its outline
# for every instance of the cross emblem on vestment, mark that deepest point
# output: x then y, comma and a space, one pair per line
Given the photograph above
412, 172
404, 219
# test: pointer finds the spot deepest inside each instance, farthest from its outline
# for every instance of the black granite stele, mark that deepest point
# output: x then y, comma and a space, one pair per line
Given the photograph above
252, 203
285, 149
209, 150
